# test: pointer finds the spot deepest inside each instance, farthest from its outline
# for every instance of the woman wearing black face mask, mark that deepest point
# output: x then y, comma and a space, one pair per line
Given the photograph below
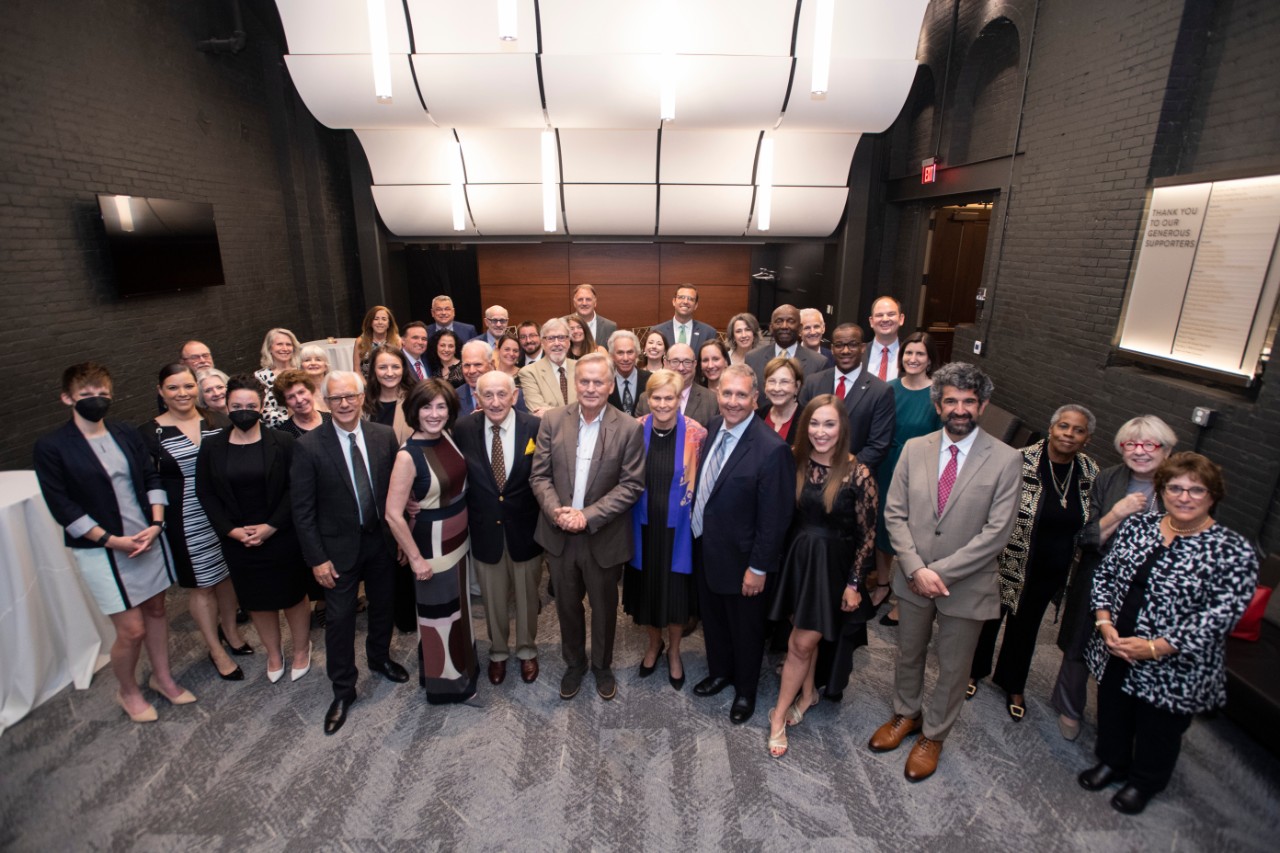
101, 486
242, 480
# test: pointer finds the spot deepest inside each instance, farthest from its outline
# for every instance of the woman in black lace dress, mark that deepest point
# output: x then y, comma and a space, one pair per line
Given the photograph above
830, 555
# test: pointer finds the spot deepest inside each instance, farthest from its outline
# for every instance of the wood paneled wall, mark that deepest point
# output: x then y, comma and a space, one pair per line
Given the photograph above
634, 282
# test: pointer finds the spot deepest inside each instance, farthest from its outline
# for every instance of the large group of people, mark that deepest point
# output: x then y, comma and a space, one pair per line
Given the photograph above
784, 486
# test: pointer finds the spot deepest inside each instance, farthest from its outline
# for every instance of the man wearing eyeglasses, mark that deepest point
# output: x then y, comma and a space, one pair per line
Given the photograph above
496, 319
530, 343
682, 328
584, 304
445, 318
695, 401
196, 355
548, 384
338, 484
868, 401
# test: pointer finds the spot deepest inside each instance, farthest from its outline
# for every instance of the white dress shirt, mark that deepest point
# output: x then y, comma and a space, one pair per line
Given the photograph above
965, 444
849, 379
676, 326
873, 360
789, 352
588, 433
344, 439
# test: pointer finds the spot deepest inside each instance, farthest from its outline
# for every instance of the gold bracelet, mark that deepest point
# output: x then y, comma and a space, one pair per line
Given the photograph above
1152, 644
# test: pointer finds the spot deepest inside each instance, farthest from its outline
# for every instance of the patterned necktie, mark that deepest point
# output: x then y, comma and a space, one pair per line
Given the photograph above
683, 339
948, 479
564, 386
417, 367
364, 489
884, 362
628, 402
497, 460
840, 388
709, 479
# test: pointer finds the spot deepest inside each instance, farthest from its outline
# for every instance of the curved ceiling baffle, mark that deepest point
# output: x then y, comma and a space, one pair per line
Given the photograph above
456, 151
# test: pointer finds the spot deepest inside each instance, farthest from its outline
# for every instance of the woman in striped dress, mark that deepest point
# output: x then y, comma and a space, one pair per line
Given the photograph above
173, 440
431, 469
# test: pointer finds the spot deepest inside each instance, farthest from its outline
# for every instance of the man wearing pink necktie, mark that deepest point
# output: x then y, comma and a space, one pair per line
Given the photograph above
949, 513
886, 319
413, 339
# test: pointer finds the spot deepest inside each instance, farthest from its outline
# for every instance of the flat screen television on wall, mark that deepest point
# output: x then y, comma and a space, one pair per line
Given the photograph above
159, 245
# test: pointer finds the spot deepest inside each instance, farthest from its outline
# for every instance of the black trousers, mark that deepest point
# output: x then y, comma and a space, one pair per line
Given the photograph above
374, 566
1020, 631
1134, 736
733, 626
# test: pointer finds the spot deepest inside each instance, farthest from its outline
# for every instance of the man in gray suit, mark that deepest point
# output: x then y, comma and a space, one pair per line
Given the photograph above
949, 513
584, 304
588, 470
695, 400
784, 325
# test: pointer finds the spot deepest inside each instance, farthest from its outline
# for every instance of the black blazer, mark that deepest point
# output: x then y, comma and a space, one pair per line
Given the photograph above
215, 492
872, 414
75, 484
790, 435
325, 510
495, 517
745, 521
615, 397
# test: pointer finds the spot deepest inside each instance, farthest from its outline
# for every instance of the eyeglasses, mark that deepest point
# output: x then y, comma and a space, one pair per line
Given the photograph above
851, 346
1174, 491
554, 338
343, 398
502, 320
681, 362
1148, 446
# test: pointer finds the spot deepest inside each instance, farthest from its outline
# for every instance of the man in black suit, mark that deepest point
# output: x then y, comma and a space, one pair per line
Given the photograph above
812, 328
629, 381
696, 401
744, 498
868, 401
443, 314
682, 328
784, 326
502, 513
338, 482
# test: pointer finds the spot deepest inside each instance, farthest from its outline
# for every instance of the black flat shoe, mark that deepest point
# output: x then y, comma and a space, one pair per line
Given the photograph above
885, 620
1130, 800
390, 670
1098, 777
646, 671
236, 674
1016, 711
336, 715
246, 649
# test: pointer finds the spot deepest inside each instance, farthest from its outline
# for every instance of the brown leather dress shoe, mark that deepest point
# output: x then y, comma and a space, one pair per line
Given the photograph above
497, 671
923, 759
529, 670
891, 734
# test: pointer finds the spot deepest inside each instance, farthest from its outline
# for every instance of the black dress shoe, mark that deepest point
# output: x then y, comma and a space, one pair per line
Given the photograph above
1130, 800
710, 686
743, 708
336, 715
246, 649
1098, 777
236, 674
391, 670
646, 671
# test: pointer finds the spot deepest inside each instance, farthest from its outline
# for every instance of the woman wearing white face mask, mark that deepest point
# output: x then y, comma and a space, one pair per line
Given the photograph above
102, 487
242, 480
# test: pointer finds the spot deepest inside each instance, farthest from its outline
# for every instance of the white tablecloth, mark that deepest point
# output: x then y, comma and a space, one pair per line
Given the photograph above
51, 631
339, 351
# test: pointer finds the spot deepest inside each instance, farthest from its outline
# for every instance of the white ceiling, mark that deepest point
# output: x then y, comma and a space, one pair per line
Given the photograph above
593, 71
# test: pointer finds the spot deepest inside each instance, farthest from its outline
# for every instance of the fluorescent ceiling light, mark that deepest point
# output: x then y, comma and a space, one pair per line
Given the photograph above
507, 20
667, 67
124, 212
549, 188
378, 51
823, 21
457, 196
764, 184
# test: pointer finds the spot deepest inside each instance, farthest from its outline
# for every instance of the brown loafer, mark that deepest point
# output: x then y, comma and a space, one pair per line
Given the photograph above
890, 736
529, 670
923, 760
497, 671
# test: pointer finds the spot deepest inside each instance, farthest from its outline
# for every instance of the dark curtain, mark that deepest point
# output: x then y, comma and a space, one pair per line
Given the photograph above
450, 272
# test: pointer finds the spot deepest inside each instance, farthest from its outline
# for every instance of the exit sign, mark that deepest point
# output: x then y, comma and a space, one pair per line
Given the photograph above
928, 170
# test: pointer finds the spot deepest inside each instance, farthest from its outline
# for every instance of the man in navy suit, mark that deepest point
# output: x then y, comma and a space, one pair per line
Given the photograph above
443, 314
682, 328
477, 360
868, 401
502, 513
338, 482
744, 498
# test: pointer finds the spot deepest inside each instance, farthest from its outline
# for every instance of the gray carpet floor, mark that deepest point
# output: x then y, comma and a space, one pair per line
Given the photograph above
248, 767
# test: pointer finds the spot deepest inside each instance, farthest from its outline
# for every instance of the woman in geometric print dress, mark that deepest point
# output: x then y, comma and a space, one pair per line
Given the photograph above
431, 469
173, 440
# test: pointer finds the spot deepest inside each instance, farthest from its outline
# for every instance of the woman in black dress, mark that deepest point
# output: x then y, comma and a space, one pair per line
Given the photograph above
830, 555
173, 439
242, 479
444, 357
658, 590
387, 382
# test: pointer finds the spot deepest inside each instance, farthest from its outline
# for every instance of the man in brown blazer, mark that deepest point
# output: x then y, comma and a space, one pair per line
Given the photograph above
588, 470
548, 382
949, 512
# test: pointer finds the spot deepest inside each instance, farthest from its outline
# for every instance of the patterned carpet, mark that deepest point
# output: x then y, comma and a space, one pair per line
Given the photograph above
249, 768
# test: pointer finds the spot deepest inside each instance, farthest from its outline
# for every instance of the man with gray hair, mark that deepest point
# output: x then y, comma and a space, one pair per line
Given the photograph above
548, 382
584, 305
949, 512
443, 314
502, 514
629, 380
812, 328
477, 359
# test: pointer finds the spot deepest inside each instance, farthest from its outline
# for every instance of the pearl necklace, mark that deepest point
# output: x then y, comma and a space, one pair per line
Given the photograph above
1189, 530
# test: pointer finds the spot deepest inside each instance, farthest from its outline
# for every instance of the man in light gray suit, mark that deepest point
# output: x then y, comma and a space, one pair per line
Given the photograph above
949, 512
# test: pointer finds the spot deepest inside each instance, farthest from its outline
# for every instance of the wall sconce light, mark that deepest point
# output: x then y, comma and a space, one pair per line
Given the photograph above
124, 212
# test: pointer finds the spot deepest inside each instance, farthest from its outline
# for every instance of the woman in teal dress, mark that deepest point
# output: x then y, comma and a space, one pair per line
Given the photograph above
917, 359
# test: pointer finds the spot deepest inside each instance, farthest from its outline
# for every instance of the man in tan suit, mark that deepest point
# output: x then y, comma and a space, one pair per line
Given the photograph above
588, 470
548, 382
949, 512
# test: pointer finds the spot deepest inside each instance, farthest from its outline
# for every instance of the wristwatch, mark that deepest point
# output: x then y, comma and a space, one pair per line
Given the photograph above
102, 540
159, 524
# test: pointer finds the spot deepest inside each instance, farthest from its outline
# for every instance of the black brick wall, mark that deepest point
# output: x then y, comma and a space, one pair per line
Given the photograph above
115, 97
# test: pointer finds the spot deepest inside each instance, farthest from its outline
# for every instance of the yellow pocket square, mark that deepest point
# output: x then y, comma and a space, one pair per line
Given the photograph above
528, 450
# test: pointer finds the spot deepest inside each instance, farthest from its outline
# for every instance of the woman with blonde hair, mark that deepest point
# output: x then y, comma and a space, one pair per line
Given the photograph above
279, 353
378, 329
315, 361
744, 336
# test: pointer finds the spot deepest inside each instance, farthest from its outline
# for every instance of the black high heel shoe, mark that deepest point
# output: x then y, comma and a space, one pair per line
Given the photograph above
236, 674
646, 671
676, 683
246, 649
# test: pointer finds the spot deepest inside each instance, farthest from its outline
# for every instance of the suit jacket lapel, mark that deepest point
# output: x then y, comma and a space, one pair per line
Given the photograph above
740, 450
338, 455
933, 446
854, 396
978, 455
